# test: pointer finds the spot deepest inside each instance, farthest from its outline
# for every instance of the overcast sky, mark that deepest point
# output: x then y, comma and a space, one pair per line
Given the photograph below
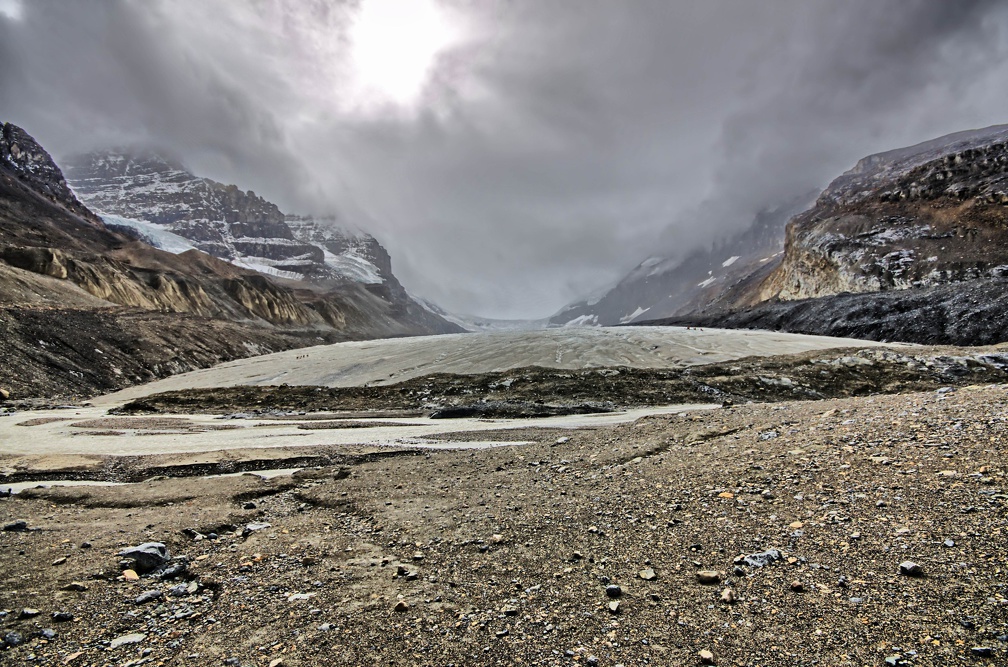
512, 155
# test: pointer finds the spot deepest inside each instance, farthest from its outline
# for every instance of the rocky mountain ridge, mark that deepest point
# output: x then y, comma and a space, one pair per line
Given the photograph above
922, 216
151, 194
910, 244
66, 275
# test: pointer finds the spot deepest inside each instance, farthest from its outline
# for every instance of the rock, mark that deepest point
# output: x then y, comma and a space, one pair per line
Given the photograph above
249, 506
502, 633
148, 596
175, 569
763, 558
982, 651
12, 639
949, 543
18, 526
130, 575
146, 557
179, 591
276, 662
132, 638
647, 574
4, 394
707, 658
613, 591
62, 617
728, 596
401, 606
250, 528
47, 634
510, 610
85, 545
614, 607
708, 577
911, 569
28, 612
797, 586
60, 560
419, 555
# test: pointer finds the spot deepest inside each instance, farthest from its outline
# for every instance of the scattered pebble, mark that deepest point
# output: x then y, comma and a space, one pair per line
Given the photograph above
707, 577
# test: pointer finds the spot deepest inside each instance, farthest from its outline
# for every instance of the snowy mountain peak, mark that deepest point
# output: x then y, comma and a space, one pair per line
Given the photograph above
160, 201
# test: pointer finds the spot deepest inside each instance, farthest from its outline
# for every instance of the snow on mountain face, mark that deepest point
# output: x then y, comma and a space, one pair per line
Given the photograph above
173, 209
662, 286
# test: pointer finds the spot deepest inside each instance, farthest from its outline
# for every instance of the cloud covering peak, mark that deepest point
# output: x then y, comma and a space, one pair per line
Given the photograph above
548, 146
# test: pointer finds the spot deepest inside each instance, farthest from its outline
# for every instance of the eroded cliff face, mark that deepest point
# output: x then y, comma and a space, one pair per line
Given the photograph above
919, 217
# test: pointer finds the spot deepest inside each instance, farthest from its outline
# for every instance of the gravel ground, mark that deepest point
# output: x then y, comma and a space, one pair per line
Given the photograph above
504, 555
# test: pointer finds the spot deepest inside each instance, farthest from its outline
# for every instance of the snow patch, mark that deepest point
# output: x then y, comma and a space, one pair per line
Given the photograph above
731, 260
583, 321
155, 235
353, 267
634, 315
259, 266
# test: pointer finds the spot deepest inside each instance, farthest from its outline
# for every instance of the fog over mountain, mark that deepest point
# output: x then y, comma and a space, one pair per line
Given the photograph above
512, 155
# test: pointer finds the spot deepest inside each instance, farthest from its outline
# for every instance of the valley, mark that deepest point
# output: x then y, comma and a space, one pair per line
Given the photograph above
230, 435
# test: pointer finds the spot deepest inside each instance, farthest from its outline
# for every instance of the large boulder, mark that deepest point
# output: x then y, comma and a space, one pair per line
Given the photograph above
147, 557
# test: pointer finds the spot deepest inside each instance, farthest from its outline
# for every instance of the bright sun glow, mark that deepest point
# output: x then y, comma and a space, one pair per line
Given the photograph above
394, 46
11, 9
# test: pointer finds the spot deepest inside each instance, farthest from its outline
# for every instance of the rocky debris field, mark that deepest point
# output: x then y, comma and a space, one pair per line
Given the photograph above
854, 531
537, 392
67, 355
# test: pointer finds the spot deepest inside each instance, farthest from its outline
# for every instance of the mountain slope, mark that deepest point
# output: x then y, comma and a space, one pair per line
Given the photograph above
70, 281
910, 244
662, 286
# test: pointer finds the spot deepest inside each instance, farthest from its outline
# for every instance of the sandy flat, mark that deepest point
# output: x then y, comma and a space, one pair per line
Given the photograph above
202, 433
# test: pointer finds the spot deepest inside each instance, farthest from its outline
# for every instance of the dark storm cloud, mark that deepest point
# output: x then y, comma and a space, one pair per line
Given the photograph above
559, 142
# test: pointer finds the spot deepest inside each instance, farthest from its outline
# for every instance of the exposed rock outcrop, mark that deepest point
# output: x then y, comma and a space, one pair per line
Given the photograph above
923, 216
29, 162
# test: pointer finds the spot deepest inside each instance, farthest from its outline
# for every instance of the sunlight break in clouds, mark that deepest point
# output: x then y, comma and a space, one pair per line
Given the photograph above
11, 9
394, 47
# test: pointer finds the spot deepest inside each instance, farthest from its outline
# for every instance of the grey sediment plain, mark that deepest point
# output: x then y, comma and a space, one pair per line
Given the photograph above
66, 432
390, 361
